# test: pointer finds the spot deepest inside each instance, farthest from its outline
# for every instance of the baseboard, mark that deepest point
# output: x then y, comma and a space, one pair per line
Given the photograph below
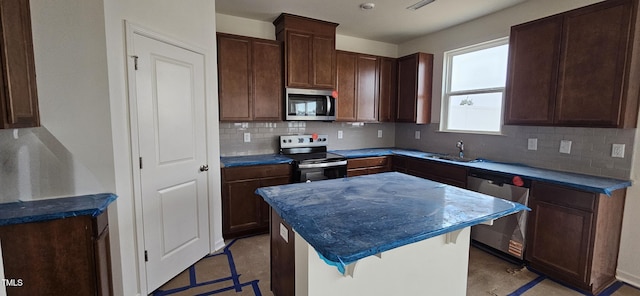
628, 278
219, 244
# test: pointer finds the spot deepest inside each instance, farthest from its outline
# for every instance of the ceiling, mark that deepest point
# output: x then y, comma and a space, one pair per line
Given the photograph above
389, 21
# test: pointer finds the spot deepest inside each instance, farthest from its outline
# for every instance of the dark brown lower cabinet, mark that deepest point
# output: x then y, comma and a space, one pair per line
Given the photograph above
431, 169
368, 165
283, 264
573, 236
67, 256
244, 212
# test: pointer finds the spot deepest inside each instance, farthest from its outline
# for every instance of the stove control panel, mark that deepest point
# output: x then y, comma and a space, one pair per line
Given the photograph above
295, 141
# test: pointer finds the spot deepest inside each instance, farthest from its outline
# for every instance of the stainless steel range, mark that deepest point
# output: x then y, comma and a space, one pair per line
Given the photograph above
312, 162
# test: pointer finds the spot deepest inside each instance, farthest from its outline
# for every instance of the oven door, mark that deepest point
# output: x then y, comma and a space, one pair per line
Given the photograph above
308, 172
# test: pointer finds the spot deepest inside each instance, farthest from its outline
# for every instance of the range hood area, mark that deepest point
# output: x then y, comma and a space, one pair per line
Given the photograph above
35, 165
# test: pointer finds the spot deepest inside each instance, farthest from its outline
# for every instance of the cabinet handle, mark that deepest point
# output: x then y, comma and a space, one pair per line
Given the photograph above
204, 168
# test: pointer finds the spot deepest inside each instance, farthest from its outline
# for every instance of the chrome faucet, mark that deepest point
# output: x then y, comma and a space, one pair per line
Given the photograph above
460, 145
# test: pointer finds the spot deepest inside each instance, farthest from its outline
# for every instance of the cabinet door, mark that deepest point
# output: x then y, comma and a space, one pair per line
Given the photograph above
324, 62
241, 208
367, 88
414, 88
18, 96
559, 239
103, 263
346, 86
234, 77
51, 257
264, 206
299, 60
267, 80
592, 65
387, 90
532, 72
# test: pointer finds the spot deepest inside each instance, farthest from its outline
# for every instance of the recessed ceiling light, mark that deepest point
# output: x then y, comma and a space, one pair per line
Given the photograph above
367, 6
419, 4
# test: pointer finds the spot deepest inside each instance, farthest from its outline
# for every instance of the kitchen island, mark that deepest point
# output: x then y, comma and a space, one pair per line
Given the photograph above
381, 234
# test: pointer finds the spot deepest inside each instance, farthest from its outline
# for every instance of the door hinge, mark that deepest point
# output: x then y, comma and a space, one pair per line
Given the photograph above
140, 162
146, 256
135, 62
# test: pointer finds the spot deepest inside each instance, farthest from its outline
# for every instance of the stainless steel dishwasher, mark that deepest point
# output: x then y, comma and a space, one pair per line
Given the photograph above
507, 234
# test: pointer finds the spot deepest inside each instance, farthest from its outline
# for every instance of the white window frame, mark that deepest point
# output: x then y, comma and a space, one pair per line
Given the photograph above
446, 86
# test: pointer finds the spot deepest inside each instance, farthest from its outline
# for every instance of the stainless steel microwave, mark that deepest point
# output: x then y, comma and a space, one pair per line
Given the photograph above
309, 104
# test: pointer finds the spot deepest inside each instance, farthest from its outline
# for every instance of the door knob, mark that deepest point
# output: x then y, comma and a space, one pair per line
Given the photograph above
204, 168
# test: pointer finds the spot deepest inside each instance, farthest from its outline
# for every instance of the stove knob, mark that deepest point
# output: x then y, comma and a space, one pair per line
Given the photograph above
289, 140
284, 141
300, 140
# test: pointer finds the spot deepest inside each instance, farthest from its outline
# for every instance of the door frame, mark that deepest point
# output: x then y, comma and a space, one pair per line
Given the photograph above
132, 30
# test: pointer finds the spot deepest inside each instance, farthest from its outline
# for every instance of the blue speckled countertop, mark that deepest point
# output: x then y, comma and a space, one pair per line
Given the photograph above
578, 181
351, 218
55, 208
234, 161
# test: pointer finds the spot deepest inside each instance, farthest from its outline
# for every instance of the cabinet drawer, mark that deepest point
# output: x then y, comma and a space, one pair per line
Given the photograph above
255, 172
563, 196
367, 162
440, 172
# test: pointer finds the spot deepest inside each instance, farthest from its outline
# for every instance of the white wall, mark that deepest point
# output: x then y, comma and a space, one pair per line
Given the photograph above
71, 69
192, 23
259, 29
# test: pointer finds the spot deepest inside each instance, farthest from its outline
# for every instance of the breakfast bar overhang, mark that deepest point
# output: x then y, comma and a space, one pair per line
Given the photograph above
380, 234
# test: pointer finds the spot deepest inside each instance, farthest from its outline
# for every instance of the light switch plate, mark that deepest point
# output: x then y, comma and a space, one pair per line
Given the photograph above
532, 144
617, 150
565, 146
247, 137
417, 135
339, 134
379, 133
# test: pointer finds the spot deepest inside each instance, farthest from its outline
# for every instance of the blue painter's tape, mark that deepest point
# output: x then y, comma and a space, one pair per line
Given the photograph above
611, 289
349, 219
528, 286
55, 208
248, 160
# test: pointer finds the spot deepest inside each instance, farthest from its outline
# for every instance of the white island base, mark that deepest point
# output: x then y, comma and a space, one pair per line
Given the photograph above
429, 267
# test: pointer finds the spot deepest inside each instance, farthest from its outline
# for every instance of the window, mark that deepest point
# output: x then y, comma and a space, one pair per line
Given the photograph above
474, 81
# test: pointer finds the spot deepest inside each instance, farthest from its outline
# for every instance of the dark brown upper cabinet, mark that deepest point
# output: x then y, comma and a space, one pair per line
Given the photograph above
388, 89
309, 51
415, 74
18, 95
250, 78
358, 87
578, 68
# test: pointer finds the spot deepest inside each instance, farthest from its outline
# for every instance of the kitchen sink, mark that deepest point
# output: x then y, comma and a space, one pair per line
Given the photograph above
450, 158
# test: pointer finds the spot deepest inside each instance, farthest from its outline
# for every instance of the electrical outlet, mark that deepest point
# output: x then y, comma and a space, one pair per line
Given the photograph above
565, 146
339, 134
617, 150
247, 137
417, 135
532, 144
379, 133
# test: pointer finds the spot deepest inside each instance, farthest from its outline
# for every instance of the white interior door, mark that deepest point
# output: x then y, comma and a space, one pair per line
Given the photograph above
170, 103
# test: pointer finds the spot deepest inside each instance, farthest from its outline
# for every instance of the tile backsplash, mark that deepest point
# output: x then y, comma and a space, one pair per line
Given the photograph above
590, 147
264, 135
